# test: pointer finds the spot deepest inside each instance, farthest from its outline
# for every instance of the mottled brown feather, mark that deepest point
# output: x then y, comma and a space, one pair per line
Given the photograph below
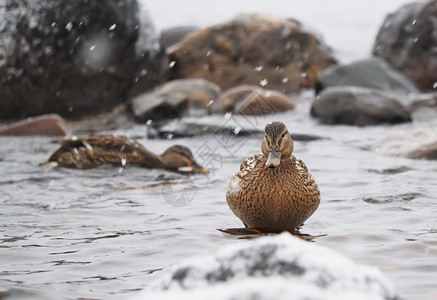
92, 151
273, 199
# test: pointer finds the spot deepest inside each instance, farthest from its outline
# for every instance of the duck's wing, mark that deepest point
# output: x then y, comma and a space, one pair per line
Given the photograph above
299, 163
92, 151
252, 162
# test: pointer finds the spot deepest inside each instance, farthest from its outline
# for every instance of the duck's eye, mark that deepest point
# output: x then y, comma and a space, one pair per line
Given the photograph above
283, 135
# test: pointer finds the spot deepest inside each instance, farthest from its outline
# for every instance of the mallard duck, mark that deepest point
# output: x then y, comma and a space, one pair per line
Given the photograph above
92, 151
273, 191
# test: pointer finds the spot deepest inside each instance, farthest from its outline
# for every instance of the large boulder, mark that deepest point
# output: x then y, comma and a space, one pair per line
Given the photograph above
407, 39
74, 57
358, 106
372, 73
416, 144
174, 99
279, 267
273, 53
174, 35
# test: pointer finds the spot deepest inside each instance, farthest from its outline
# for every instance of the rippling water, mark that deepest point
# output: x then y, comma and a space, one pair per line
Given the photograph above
107, 232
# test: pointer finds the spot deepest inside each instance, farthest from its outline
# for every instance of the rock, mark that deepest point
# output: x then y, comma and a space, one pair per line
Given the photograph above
417, 144
46, 125
358, 106
274, 53
423, 106
74, 57
174, 99
407, 40
174, 35
252, 100
276, 267
373, 73
181, 129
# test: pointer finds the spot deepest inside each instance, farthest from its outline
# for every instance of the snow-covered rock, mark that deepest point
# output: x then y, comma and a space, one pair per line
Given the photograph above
279, 267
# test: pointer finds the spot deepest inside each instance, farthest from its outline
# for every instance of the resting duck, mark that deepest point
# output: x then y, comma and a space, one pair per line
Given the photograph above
93, 151
273, 191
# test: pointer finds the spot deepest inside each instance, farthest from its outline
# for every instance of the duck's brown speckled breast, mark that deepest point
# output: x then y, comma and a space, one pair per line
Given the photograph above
274, 199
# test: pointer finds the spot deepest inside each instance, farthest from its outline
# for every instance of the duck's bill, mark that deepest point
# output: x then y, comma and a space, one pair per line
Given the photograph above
274, 158
198, 168
193, 168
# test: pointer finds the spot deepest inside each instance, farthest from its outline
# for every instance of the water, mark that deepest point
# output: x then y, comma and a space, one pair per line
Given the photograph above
107, 233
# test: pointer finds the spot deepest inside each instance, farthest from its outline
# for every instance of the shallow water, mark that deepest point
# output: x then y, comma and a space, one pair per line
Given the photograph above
106, 233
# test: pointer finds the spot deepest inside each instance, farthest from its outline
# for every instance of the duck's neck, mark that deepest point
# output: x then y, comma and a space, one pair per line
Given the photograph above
151, 160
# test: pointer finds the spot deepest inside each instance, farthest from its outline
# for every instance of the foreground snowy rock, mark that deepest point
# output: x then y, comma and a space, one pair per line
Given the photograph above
279, 267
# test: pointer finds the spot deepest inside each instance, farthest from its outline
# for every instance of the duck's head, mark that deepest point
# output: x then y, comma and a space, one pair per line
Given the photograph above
180, 159
277, 143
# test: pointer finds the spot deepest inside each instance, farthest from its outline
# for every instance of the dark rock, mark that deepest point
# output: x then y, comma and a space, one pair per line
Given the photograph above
252, 100
416, 144
371, 73
274, 53
358, 106
271, 268
408, 41
74, 57
46, 125
174, 35
181, 129
174, 99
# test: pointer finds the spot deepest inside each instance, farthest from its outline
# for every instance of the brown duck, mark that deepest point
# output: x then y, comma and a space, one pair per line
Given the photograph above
93, 151
273, 191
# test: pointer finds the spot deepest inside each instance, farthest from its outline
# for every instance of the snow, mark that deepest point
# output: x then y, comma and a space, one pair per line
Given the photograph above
274, 267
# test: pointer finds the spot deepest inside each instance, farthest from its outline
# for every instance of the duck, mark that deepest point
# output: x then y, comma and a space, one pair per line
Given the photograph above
92, 151
273, 191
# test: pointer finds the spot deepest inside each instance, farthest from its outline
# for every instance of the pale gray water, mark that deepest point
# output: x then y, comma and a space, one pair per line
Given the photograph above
107, 233
98, 234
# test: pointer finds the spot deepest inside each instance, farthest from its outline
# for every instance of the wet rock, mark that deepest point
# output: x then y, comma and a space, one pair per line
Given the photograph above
174, 35
181, 129
46, 125
118, 118
417, 144
252, 100
74, 57
372, 73
408, 41
274, 53
423, 106
271, 268
174, 99
358, 106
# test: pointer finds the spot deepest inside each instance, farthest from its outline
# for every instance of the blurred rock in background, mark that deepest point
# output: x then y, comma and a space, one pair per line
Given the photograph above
407, 39
75, 57
270, 52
